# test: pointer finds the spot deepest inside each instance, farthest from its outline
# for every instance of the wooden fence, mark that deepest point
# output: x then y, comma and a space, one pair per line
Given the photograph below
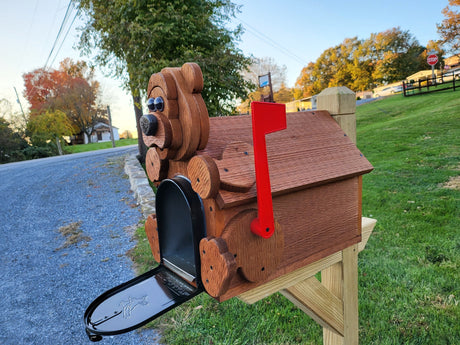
425, 85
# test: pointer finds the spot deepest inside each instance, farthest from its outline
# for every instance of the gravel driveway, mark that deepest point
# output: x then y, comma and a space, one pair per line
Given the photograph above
65, 228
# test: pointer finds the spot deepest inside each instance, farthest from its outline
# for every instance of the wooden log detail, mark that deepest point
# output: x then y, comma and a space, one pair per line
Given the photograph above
236, 168
234, 172
204, 176
218, 266
157, 168
256, 257
151, 230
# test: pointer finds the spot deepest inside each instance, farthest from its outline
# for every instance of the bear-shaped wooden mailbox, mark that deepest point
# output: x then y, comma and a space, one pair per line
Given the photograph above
242, 202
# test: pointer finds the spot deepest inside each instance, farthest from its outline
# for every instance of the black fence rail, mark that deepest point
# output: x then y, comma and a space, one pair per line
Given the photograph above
425, 85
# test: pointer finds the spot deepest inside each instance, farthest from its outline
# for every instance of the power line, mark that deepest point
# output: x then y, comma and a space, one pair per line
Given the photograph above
65, 36
64, 20
272, 43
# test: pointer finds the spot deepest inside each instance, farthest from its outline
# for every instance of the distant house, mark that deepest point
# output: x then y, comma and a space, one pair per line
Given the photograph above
306, 103
364, 94
452, 62
101, 133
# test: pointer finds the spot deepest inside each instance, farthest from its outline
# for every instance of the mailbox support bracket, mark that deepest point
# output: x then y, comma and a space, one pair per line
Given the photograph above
333, 302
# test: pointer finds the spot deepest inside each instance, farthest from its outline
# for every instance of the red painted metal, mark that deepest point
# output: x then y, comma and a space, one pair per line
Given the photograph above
266, 118
432, 59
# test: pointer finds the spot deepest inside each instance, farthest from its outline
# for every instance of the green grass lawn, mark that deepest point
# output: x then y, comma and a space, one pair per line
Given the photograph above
98, 146
409, 278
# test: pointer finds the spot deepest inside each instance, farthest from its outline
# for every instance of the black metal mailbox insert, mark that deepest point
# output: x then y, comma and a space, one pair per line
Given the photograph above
181, 226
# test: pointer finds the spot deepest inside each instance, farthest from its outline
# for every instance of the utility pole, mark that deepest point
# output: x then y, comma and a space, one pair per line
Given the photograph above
110, 126
20, 105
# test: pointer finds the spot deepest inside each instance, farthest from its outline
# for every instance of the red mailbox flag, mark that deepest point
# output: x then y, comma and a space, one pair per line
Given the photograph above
266, 118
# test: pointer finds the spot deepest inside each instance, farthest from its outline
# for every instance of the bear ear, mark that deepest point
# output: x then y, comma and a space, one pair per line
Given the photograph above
193, 76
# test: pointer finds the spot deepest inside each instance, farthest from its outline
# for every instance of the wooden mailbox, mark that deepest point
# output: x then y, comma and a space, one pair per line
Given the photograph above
315, 173
246, 206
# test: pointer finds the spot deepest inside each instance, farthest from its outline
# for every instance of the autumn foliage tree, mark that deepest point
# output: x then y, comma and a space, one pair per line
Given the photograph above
70, 89
361, 64
449, 29
49, 127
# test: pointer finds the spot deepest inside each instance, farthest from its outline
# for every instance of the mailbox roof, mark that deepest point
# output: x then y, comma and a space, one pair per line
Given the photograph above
312, 150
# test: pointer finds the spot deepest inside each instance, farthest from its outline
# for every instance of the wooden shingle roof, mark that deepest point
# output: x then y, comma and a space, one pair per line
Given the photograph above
312, 150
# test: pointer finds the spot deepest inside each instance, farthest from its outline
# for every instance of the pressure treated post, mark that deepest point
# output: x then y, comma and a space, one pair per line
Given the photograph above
342, 278
341, 103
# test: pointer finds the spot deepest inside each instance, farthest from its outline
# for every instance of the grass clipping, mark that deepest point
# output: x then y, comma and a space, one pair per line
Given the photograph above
73, 235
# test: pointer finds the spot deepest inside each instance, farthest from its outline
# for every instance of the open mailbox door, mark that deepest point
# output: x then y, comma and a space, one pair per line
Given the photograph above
181, 226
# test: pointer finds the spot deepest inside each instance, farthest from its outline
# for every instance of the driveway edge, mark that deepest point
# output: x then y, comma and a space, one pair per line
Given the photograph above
140, 185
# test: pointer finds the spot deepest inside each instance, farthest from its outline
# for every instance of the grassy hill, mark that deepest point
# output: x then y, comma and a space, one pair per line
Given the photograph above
409, 281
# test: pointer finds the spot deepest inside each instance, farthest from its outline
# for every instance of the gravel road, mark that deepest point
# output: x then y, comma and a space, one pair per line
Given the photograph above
65, 227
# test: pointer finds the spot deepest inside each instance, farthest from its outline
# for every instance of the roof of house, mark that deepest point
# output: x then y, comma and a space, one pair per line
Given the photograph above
312, 150
102, 124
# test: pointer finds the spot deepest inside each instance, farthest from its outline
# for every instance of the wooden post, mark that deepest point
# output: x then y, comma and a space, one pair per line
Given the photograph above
340, 278
341, 104
333, 302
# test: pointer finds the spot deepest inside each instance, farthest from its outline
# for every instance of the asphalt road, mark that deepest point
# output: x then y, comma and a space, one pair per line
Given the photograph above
48, 276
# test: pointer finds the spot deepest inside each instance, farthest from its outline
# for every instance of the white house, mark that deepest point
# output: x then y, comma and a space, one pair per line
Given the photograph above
101, 132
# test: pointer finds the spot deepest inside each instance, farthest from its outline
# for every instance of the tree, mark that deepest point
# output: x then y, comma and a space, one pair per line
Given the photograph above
283, 95
449, 29
261, 66
49, 127
11, 143
126, 134
134, 39
383, 58
70, 89
397, 54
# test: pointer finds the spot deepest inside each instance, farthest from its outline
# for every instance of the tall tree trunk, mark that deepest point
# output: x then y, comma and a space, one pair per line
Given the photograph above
140, 142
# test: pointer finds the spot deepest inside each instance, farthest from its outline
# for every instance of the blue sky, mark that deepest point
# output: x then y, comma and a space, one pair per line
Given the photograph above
293, 32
